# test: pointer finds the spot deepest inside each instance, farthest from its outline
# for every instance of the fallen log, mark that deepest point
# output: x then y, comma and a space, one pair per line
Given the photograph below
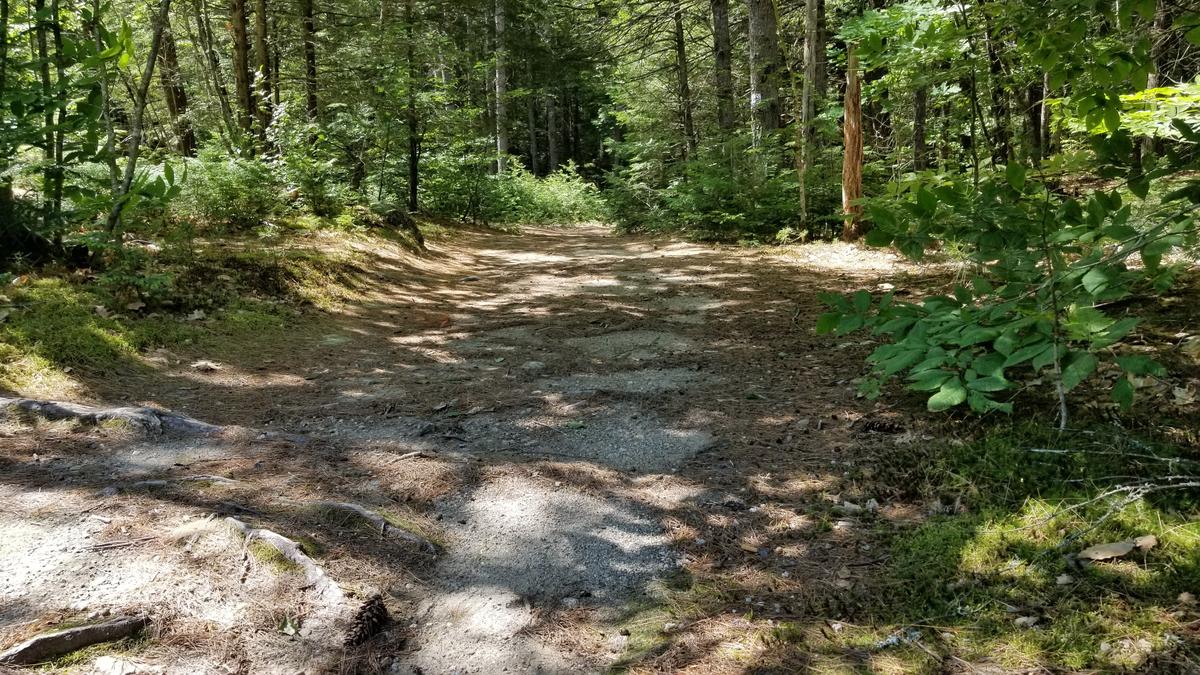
46, 646
149, 419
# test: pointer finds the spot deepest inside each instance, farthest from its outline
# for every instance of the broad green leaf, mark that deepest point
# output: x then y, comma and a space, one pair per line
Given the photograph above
862, 301
1141, 365
1006, 343
1122, 393
989, 384
951, 393
827, 322
930, 380
1095, 281
1015, 174
1028, 352
849, 324
1081, 366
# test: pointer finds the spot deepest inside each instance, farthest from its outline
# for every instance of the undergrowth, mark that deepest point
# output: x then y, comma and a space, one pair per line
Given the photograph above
56, 326
995, 580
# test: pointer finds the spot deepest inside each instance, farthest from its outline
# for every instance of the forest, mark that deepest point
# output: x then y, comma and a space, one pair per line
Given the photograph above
548, 336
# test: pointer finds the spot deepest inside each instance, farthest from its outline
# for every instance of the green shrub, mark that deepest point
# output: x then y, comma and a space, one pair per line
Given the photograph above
235, 193
518, 196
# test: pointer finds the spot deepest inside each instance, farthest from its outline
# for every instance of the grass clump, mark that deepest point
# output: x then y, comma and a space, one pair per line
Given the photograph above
999, 578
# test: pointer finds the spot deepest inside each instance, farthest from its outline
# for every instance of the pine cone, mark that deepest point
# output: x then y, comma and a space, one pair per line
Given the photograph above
368, 622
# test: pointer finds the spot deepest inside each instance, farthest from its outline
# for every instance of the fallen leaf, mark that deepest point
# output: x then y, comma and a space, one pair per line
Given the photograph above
1118, 548
1064, 580
1107, 551
101, 311
197, 315
1186, 598
135, 306
1026, 621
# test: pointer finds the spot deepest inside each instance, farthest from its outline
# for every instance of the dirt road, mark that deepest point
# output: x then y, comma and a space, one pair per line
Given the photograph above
575, 422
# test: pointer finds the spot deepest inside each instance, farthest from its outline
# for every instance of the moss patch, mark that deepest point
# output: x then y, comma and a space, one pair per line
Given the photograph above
272, 558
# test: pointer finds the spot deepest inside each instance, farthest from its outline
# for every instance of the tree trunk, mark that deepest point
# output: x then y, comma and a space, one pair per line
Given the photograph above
501, 91
821, 85
1001, 132
241, 65
853, 154
43, 57
263, 75
276, 63
135, 131
553, 158
531, 118
1045, 144
1158, 56
214, 71
110, 132
764, 69
685, 89
175, 96
1033, 121
414, 141
6, 191
308, 37
920, 119
723, 74
808, 104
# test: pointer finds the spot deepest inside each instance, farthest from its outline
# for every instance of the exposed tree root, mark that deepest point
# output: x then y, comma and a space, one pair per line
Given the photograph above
56, 643
159, 483
386, 529
151, 420
326, 590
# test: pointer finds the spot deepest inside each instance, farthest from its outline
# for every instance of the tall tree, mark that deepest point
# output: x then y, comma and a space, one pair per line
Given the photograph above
414, 140
553, 139
175, 95
263, 71
723, 70
141, 96
685, 89
6, 191
211, 65
308, 39
808, 104
501, 74
241, 65
852, 156
920, 120
765, 65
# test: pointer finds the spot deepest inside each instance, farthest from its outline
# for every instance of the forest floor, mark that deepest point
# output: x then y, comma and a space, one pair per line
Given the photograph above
598, 452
